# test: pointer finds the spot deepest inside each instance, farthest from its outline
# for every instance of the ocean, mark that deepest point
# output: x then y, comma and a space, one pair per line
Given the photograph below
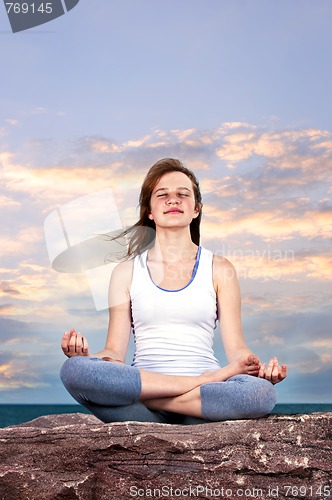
17, 414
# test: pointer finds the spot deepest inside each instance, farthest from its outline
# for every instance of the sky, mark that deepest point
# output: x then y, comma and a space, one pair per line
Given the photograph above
240, 92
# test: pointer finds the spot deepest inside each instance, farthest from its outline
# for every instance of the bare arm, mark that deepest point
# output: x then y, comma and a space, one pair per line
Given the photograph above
229, 312
74, 344
229, 308
119, 324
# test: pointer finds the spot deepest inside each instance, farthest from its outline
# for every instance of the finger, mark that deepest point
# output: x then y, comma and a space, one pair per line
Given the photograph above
262, 369
71, 337
275, 374
283, 373
72, 344
85, 346
269, 369
79, 344
64, 338
64, 343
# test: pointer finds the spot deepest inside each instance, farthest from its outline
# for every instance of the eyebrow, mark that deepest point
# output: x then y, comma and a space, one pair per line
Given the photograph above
165, 189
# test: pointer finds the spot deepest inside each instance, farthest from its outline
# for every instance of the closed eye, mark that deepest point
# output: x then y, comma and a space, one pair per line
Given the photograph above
185, 195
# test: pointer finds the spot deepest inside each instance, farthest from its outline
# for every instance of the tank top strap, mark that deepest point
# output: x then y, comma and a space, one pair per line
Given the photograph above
202, 272
204, 275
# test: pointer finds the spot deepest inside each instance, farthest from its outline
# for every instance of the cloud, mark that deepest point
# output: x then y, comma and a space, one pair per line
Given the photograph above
277, 264
245, 141
272, 230
21, 371
17, 375
13, 122
236, 211
273, 340
105, 146
7, 202
30, 356
37, 291
241, 146
311, 387
256, 201
39, 110
23, 243
267, 207
7, 309
304, 145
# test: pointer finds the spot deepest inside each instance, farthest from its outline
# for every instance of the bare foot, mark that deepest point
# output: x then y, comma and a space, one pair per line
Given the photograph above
248, 365
112, 360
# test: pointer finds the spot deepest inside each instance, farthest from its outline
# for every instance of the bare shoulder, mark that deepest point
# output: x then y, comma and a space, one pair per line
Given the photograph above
223, 271
122, 273
126, 266
120, 283
222, 266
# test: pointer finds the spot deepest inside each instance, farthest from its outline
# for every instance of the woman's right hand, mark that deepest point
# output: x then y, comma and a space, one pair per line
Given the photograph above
73, 344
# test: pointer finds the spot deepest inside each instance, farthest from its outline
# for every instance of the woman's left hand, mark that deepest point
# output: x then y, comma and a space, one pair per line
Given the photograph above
273, 371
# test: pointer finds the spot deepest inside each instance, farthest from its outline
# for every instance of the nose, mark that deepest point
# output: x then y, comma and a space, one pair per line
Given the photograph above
172, 200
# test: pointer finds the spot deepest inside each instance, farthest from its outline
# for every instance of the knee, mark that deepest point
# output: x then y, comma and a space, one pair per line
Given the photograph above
242, 396
71, 370
92, 379
261, 397
67, 371
75, 376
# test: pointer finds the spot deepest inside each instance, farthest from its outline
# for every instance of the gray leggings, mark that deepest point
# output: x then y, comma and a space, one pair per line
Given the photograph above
111, 392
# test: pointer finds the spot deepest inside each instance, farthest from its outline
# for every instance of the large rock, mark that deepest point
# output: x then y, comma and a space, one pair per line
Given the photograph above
77, 457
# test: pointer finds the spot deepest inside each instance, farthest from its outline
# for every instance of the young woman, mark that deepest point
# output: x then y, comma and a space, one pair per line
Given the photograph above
171, 292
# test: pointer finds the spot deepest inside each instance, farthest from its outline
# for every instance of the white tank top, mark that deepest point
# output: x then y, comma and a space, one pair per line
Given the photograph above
174, 329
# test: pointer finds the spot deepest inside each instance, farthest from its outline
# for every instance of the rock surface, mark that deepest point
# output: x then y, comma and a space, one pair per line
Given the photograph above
77, 457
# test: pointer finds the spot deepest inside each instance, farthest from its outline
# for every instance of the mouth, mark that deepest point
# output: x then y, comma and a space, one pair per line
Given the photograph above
174, 211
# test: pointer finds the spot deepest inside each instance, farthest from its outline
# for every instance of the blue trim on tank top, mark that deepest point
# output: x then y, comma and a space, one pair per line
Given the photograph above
191, 279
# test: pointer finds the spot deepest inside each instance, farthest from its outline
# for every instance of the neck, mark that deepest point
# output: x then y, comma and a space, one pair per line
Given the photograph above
173, 246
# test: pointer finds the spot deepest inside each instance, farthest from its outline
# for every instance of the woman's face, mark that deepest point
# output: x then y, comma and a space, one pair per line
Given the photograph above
173, 201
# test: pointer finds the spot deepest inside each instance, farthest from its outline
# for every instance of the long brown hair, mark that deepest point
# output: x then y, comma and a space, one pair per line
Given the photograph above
142, 234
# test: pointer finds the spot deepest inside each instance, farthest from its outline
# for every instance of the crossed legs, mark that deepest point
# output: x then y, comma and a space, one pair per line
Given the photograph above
113, 392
